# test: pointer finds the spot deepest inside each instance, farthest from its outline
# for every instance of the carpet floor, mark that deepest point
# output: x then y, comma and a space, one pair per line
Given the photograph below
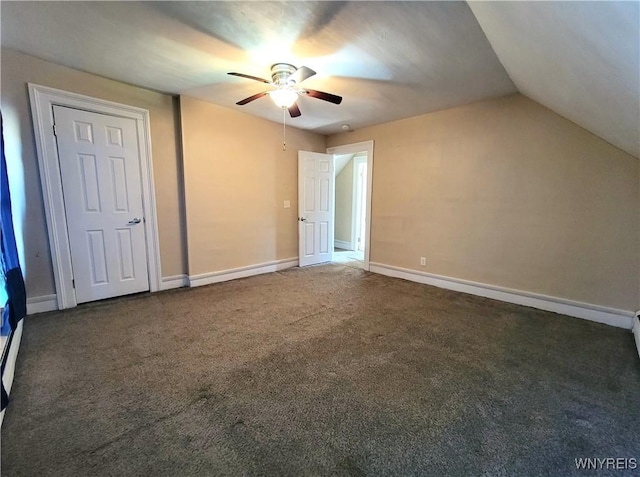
325, 370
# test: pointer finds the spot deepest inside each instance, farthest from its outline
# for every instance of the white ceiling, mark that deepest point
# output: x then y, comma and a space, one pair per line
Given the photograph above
580, 59
389, 60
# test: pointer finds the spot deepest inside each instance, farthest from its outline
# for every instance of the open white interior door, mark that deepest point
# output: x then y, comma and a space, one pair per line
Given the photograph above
316, 192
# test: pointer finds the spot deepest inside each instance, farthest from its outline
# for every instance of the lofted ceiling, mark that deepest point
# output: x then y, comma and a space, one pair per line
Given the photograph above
389, 60
580, 59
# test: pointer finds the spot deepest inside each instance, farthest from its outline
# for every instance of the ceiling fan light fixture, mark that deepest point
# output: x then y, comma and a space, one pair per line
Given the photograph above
283, 97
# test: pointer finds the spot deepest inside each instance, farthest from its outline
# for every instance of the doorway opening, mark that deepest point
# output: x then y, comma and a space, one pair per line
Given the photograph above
350, 209
353, 175
317, 204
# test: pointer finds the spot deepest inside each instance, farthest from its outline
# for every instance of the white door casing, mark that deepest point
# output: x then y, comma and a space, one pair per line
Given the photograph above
100, 172
316, 201
360, 199
43, 99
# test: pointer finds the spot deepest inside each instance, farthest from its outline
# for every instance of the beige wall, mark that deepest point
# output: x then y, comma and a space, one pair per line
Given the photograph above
236, 175
506, 192
502, 192
237, 178
344, 203
17, 71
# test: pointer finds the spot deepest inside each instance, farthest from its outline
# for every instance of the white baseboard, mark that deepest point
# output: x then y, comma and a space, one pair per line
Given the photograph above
636, 330
600, 314
175, 281
241, 272
342, 244
10, 368
41, 304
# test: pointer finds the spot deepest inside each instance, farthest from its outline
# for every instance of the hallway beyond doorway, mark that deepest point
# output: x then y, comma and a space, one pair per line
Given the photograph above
351, 258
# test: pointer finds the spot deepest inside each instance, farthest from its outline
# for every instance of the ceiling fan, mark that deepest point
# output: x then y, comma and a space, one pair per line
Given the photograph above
286, 79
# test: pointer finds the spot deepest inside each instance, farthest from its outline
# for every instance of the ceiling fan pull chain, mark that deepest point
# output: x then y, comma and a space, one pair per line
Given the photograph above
284, 129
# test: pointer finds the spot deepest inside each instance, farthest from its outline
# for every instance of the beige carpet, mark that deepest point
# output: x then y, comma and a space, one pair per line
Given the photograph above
326, 370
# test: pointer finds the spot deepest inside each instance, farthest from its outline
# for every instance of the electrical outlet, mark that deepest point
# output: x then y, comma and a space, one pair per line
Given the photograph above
423, 261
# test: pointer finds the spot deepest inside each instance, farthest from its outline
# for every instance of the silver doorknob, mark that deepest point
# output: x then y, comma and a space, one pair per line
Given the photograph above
135, 221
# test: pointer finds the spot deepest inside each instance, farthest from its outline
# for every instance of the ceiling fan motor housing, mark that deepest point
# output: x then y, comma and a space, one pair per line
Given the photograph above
280, 73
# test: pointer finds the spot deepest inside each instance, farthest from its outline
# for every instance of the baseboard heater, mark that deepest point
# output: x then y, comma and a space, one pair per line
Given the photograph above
636, 330
9, 357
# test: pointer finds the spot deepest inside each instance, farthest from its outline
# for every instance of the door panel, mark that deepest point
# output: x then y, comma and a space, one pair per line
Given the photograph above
316, 184
100, 171
324, 195
125, 249
97, 258
119, 184
309, 230
324, 237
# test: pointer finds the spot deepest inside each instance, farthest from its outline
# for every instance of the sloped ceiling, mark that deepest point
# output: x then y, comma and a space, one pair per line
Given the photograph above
580, 59
341, 160
389, 60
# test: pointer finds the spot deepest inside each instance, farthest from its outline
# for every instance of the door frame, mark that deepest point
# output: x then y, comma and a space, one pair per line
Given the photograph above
42, 100
354, 149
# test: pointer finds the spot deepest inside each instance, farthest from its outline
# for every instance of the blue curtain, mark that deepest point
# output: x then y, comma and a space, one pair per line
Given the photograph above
15, 307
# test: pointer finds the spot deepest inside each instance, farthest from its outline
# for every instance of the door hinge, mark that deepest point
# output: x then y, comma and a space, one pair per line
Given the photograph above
55, 130
73, 282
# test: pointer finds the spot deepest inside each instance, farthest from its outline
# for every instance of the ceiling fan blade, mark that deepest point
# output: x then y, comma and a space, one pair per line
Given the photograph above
255, 78
300, 75
251, 98
294, 111
332, 98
